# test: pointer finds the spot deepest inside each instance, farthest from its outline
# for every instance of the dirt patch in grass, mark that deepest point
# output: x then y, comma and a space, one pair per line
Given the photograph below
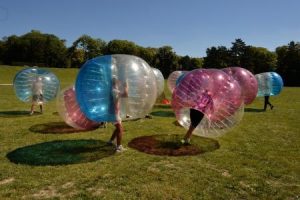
49, 192
7, 181
170, 145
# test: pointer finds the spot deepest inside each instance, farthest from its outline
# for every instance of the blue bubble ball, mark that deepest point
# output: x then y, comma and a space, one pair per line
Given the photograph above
269, 84
26, 80
115, 87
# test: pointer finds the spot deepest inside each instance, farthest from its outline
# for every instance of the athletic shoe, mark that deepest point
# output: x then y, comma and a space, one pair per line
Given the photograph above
120, 149
185, 142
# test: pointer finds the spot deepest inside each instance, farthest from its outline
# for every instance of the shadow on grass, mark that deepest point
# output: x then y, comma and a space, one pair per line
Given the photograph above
55, 113
162, 106
254, 110
163, 113
16, 113
61, 152
176, 123
170, 145
54, 128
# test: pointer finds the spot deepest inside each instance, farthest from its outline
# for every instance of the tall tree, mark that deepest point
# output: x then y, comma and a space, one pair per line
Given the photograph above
260, 60
185, 63
34, 45
55, 51
238, 53
196, 63
121, 47
35, 48
188, 63
168, 60
149, 55
12, 49
255, 59
87, 45
217, 57
2, 50
77, 57
289, 63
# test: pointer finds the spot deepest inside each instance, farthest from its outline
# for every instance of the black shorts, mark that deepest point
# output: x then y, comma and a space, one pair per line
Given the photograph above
37, 98
196, 117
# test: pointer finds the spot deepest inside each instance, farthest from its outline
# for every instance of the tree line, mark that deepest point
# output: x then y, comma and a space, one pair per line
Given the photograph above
48, 50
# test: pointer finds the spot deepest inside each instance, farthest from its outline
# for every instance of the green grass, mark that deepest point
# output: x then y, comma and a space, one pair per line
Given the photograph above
258, 159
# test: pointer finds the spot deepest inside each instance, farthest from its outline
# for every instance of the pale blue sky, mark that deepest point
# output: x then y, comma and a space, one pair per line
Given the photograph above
189, 26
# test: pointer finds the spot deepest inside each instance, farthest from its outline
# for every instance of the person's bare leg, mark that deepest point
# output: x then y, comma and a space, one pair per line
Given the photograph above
32, 109
114, 135
119, 134
189, 133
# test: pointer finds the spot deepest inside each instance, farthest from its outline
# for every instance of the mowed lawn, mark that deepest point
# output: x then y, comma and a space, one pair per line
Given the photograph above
39, 159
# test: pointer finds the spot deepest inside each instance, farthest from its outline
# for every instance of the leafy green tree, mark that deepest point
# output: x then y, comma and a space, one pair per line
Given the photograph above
12, 50
238, 52
168, 60
89, 46
255, 59
77, 57
289, 63
217, 57
2, 50
35, 48
185, 63
260, 60
149, 55
121, 47
197, 63
55, 51
188, 63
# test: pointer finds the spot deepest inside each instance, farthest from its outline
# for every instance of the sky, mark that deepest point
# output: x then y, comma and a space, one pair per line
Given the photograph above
189, 26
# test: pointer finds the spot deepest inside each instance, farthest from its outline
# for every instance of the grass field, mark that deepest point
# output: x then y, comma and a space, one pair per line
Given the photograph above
258, 159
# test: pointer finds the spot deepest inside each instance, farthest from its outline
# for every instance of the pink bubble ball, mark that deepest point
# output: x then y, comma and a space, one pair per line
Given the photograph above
225, 105
247, 82
69, 110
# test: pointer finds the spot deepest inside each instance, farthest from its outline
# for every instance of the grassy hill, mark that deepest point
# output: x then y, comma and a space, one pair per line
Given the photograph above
258, 159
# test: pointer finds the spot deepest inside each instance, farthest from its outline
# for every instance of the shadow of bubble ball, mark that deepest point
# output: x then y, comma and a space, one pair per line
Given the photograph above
61, 152
170, 145
54, 128
15, 113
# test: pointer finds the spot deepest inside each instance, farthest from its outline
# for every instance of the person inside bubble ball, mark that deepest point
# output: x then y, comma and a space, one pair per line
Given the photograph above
196, 115
37, 94
117, 94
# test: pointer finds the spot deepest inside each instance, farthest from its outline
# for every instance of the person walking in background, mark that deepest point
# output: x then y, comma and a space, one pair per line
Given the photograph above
267, 102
